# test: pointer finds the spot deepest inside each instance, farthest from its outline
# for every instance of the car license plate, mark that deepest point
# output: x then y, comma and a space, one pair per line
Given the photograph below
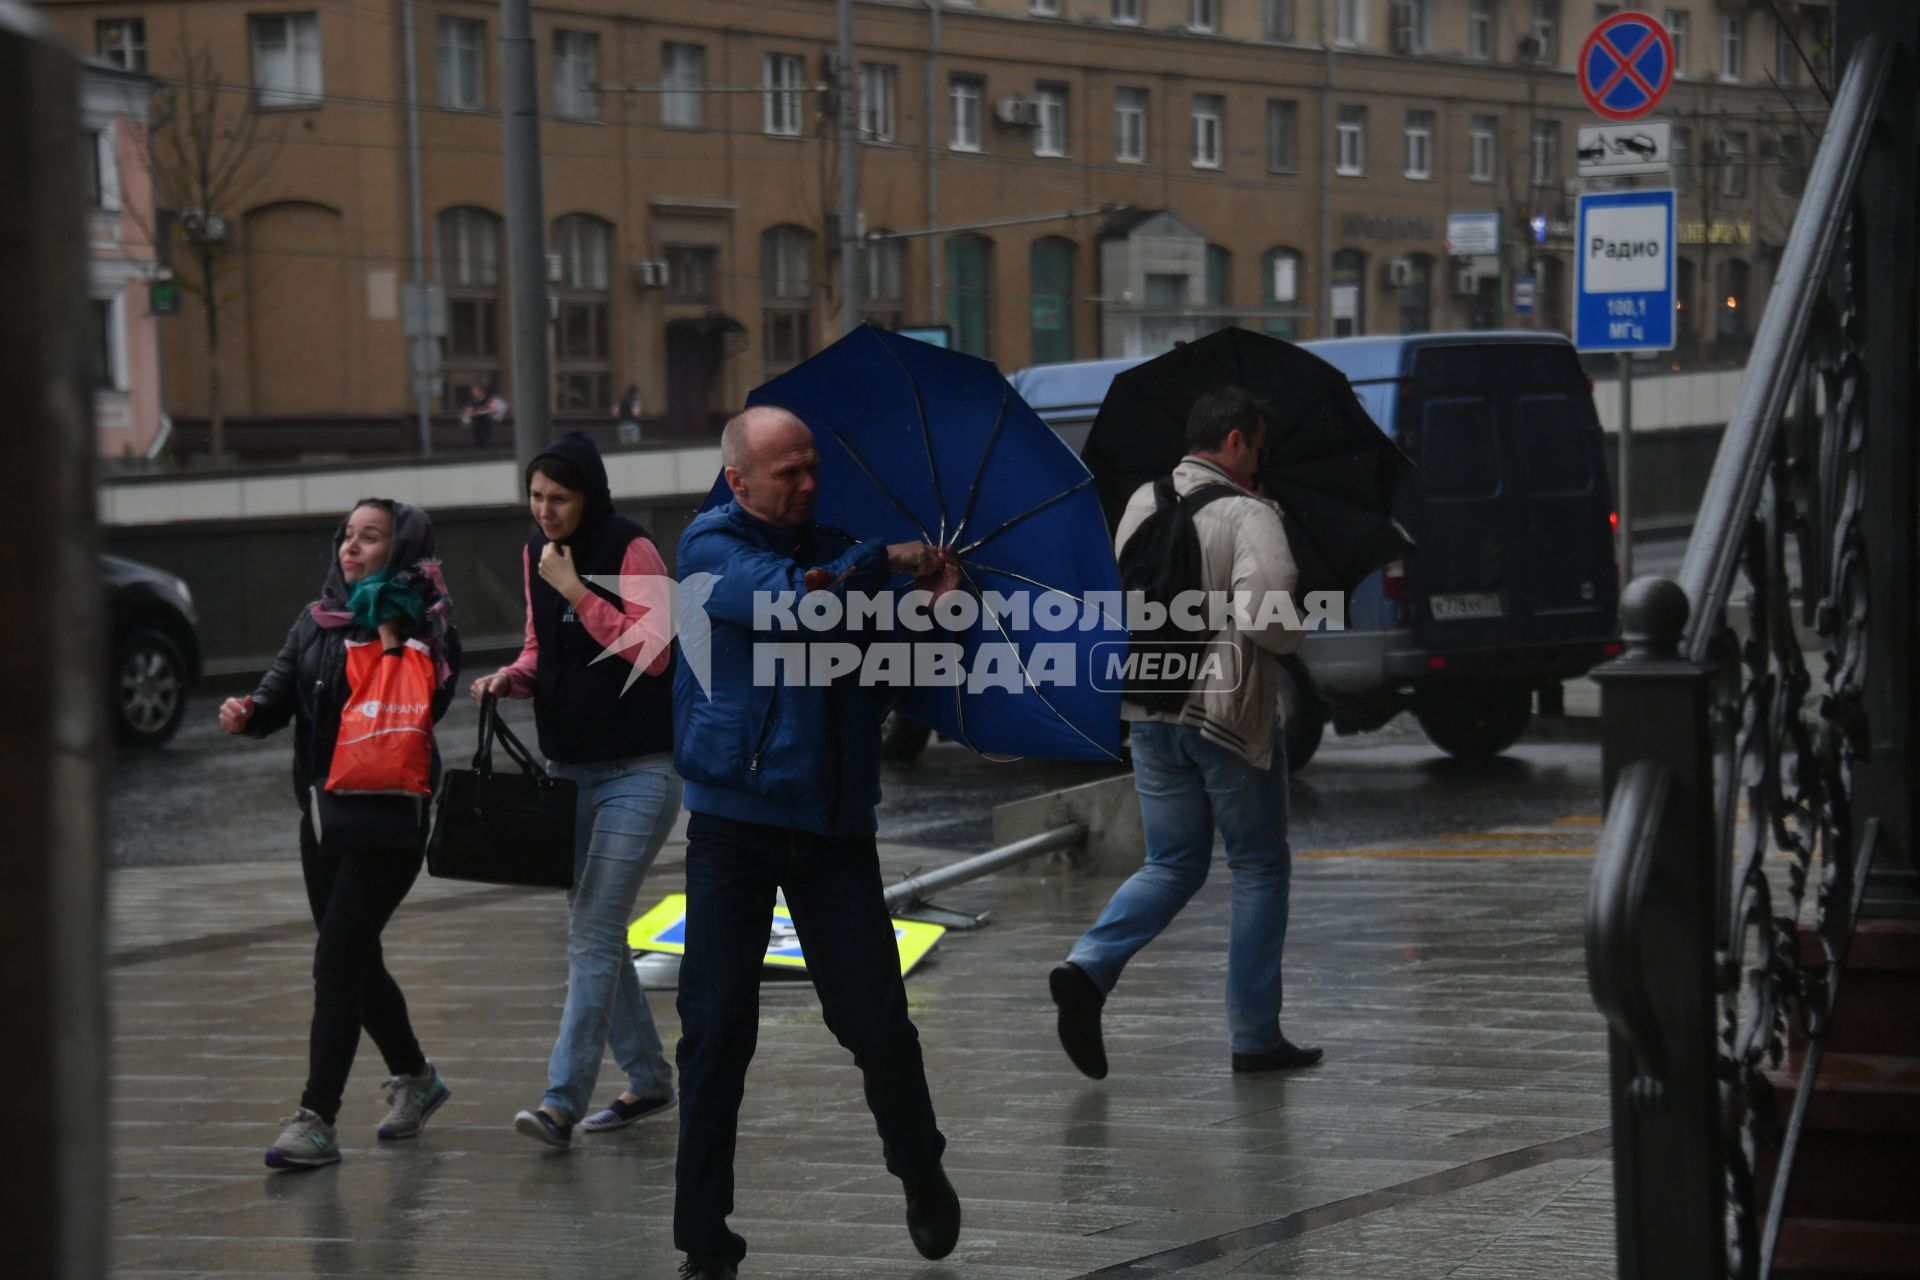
1466, 604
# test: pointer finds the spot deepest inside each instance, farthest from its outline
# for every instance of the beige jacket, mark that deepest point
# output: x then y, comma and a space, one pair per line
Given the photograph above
1243, 547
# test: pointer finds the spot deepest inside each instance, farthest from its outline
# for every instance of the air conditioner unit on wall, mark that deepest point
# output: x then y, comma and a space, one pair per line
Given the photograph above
1017, 111
650, 273
1399, 273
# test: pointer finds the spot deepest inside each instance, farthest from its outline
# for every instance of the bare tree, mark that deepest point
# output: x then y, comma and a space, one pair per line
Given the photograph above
210, 150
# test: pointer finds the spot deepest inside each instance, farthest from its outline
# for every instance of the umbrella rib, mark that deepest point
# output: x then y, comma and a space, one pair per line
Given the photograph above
1034, 510
1027, 676
878, 483
1082, 601
926, 436
973, 491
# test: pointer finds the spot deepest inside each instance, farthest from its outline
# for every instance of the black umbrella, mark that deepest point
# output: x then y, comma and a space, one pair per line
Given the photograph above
1332, 470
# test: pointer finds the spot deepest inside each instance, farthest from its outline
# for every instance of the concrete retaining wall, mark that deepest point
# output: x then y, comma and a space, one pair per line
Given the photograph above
1108, 809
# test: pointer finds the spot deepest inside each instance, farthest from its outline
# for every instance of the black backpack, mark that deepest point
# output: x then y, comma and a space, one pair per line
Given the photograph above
1161, 560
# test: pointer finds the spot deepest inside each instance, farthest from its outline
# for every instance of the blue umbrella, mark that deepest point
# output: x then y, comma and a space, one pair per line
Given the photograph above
918, 443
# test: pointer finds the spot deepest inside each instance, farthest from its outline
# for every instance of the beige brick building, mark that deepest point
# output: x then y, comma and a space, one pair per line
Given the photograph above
1054, 179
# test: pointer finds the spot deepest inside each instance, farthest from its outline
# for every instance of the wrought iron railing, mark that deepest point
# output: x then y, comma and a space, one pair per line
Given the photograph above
1694, 926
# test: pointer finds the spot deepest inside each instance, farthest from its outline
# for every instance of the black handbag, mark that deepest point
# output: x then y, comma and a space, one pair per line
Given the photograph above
502, 828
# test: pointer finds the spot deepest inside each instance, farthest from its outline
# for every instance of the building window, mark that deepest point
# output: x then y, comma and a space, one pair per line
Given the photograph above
883, 266
1786, 58
576, 74
1545, 168
103, 345
1050, 292
122, 42
1203, 16
286, 59
1483, 148
1350, 22
690, 272
1677, 20
970, 293
964, 95
103, 169
1545, 34
470, 272
461, 44
1219, 304
1733, 164
1350, 137
1044, 8
1419, 144
1734, 303
1209, 111
879, 84
1280, 291
583, 347
682, 73
1050, 139
1416, 295
1681, 156
1732, 34
1130, 126
785, 76
1283, 135
1347, 293
1126, 13
1686, 305
1789, 164
1277, 19
1412, 26
786, 295
1480, 28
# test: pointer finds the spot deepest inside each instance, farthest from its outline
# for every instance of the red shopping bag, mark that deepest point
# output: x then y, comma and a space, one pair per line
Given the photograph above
385, 744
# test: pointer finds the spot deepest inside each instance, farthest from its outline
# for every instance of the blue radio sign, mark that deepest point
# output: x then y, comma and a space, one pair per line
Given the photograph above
1623, 295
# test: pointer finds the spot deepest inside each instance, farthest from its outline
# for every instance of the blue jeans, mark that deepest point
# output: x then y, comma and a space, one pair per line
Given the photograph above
833, 891
626, 810
1188, 787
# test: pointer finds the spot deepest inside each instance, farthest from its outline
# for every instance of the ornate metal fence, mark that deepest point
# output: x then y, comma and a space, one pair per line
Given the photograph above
1725, 761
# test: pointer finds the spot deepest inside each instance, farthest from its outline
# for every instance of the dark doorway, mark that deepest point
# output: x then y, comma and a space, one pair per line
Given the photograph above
693, 369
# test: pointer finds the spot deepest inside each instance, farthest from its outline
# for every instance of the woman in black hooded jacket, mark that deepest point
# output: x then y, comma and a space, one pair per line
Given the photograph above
383, 582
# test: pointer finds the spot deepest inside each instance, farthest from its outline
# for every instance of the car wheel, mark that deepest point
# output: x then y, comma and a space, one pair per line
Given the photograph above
1475, 721
903, 739
149, 688
1304, 717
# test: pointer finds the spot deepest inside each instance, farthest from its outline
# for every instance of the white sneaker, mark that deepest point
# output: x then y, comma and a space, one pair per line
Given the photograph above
305, 1142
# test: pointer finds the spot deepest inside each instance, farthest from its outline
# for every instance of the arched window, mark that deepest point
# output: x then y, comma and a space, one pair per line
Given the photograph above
786, 295
583, 354
1219, 289
469, 256
970, 294
1416, 294
1050, 293
1550, 309
883, 264
1281, 287
1731, 299
1349, 294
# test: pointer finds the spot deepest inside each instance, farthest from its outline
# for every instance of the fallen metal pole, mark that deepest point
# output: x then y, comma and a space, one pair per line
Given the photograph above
917, 889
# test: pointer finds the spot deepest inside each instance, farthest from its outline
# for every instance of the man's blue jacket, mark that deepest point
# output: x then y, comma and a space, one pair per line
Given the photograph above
788, 754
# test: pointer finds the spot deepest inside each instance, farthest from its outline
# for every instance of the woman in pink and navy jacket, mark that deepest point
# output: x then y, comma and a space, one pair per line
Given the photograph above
608, 727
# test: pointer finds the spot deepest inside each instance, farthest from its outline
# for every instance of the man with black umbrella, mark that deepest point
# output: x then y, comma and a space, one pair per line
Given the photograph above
1213, 759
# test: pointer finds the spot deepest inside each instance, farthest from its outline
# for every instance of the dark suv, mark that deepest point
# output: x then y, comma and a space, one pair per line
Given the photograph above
155, 650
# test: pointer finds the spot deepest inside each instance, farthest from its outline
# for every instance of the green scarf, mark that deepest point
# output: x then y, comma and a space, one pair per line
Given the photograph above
376, 598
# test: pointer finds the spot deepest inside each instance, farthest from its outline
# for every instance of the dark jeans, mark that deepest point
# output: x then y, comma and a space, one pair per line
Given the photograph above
832, 887
353, 895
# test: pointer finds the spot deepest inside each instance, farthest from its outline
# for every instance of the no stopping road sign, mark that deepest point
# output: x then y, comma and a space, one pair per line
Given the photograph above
1626, 65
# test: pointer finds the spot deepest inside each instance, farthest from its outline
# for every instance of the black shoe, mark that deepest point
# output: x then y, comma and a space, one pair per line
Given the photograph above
1080, 1003
710, 1268
933, 1213
1287, 1055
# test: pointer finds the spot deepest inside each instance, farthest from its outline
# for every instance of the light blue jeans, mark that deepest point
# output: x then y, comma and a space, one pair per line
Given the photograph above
626, 809
1188, 787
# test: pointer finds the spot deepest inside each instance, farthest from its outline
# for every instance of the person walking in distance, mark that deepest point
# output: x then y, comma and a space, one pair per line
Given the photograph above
626, 415
609, 729
781, 788
383, 586
1209, 758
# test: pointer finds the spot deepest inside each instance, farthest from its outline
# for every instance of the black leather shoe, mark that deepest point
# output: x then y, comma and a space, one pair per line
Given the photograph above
1080, 1003
933, 1213
1287, 1055
708, 1268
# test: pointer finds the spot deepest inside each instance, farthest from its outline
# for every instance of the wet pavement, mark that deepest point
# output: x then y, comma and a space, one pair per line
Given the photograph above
1457, 1128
